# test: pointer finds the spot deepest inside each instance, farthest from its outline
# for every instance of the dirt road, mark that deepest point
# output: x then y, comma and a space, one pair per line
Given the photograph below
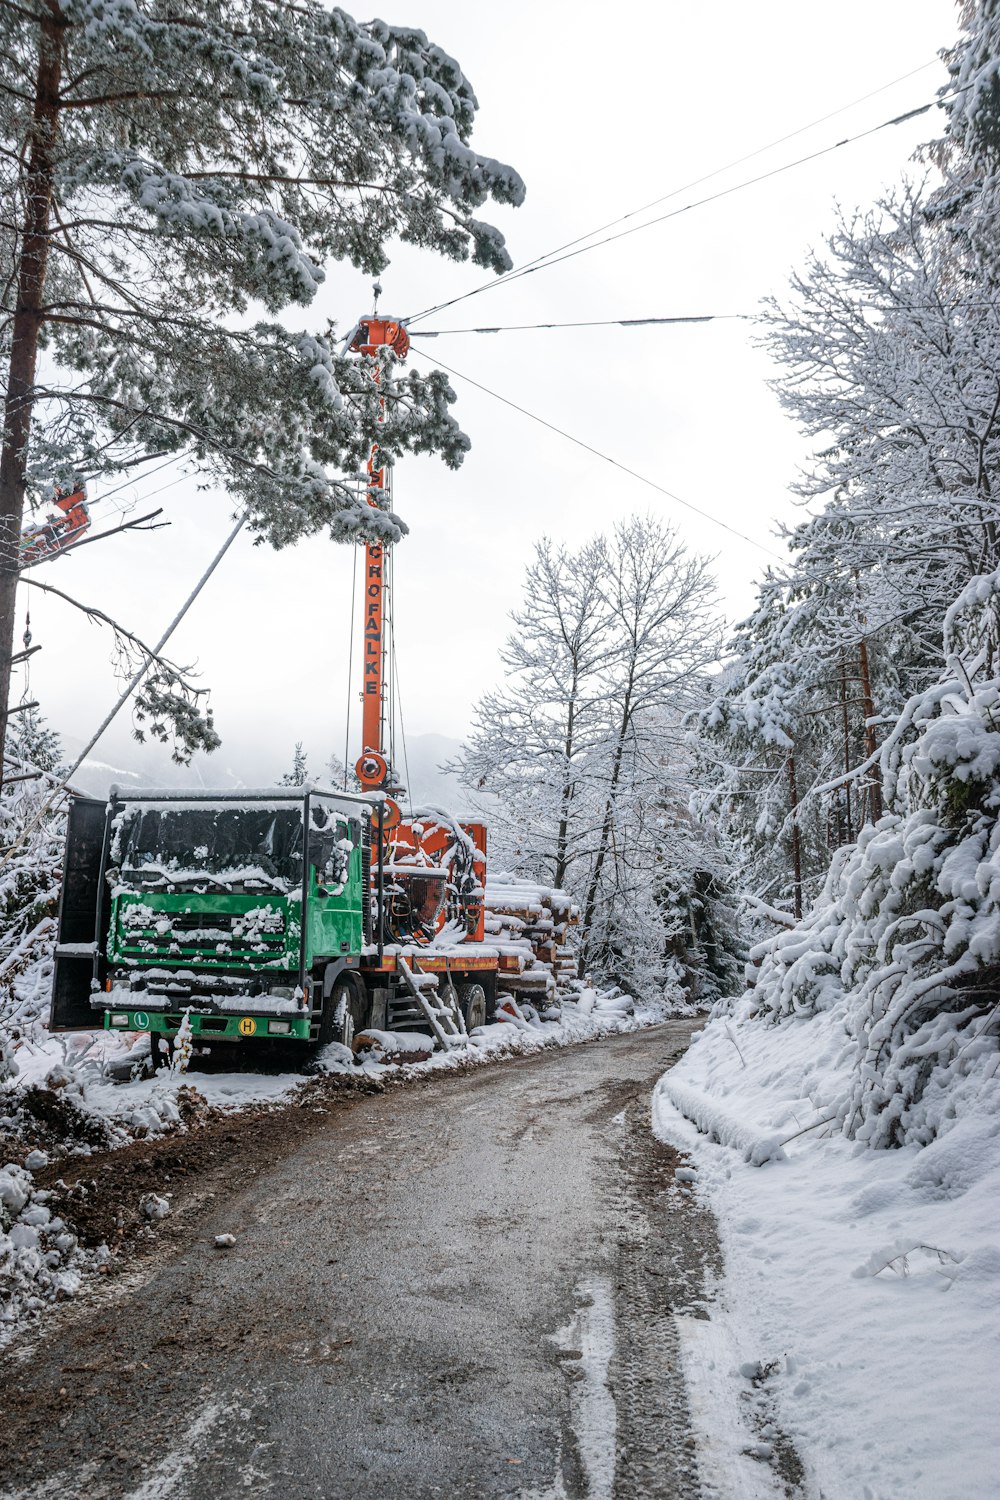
460, 1289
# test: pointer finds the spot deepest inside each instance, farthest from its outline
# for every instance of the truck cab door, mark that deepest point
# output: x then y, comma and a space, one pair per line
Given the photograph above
335, 918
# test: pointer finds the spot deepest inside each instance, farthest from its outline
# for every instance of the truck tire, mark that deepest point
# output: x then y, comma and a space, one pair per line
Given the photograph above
472, 999
349, 999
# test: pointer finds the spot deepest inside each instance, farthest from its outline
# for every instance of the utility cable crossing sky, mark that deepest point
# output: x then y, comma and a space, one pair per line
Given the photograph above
576, 247
634, 473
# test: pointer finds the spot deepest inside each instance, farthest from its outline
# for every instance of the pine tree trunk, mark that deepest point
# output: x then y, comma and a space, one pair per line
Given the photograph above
793, 801
27, 323
871, 744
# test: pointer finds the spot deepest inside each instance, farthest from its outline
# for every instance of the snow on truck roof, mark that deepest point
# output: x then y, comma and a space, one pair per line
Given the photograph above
118, 793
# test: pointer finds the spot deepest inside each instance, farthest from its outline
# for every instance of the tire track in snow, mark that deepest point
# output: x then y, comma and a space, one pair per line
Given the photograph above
661, 1263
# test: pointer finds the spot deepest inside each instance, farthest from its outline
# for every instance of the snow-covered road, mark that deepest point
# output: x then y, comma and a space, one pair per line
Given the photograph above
469, 1288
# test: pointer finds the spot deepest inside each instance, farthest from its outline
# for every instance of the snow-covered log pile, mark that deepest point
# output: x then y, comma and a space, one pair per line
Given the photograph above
904, 939
529, 924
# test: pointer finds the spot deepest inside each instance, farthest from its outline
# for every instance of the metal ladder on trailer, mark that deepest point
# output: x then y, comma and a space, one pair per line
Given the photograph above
438, 1007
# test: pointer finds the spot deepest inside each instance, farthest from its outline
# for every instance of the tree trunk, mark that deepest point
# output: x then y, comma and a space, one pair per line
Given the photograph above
793, 801
590, 903
566, 796
25, 335
849, 839
871, 744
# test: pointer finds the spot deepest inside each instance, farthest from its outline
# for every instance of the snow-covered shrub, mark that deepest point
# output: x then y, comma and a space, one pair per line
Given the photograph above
906, 932
31, 848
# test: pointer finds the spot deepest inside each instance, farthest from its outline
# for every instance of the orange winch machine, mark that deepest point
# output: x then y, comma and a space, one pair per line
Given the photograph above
434, 868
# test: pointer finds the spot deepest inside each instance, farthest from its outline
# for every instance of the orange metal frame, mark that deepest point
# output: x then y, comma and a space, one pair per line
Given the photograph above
58, 531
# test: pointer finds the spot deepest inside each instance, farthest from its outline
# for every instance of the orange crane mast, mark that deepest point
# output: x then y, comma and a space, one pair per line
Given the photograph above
373, 768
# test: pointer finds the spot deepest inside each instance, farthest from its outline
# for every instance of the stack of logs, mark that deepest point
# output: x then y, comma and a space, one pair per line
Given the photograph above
529, 926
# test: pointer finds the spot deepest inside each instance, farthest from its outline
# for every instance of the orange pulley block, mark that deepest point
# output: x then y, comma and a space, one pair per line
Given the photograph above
391, 815
371, 770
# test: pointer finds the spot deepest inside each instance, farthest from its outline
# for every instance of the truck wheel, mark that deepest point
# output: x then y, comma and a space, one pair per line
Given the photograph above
345, 1013
472, 999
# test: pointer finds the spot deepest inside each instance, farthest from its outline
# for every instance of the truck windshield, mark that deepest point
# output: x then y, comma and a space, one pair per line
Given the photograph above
220, 845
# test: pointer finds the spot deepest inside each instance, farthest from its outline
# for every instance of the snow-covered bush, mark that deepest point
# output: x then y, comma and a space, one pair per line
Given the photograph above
905, 935
31, 848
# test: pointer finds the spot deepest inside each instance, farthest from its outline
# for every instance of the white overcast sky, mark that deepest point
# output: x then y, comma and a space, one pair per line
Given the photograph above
600, 113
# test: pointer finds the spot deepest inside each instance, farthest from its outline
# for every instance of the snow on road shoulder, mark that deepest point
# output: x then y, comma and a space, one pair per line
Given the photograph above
600, 1015
862, 1287
731, 1461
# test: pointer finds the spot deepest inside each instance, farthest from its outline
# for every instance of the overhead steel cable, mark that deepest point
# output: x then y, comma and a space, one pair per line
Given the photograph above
434, 333
350, 665
128, 483
576, 247
605, 457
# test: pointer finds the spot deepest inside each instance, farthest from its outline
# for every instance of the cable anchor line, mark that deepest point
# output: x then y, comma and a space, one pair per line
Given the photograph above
605, 457
59, 791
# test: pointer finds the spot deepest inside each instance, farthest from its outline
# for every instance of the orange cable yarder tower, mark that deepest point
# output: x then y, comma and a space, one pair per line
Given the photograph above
373, 769
435, 866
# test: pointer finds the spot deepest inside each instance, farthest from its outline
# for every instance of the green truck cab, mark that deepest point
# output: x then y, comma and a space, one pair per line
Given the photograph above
246, 912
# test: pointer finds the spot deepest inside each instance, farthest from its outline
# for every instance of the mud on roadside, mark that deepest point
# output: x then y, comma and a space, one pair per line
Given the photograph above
100, 1196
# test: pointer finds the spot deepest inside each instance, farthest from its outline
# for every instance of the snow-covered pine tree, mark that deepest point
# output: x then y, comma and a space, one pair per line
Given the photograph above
761, 753
299, 773
890, 342
904, 939
974, 111
171, 181
29, 883
336, 773
893, 349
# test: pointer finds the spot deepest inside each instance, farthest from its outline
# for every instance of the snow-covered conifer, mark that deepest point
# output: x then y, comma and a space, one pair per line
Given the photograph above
171, 181
905, 936
299, 773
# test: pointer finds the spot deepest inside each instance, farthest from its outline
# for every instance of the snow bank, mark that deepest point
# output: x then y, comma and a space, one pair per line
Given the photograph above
40, 1260
862, 1287
604, 1015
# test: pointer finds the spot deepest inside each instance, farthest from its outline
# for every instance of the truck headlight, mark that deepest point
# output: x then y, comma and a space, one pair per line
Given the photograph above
119, 1018
279, 1028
